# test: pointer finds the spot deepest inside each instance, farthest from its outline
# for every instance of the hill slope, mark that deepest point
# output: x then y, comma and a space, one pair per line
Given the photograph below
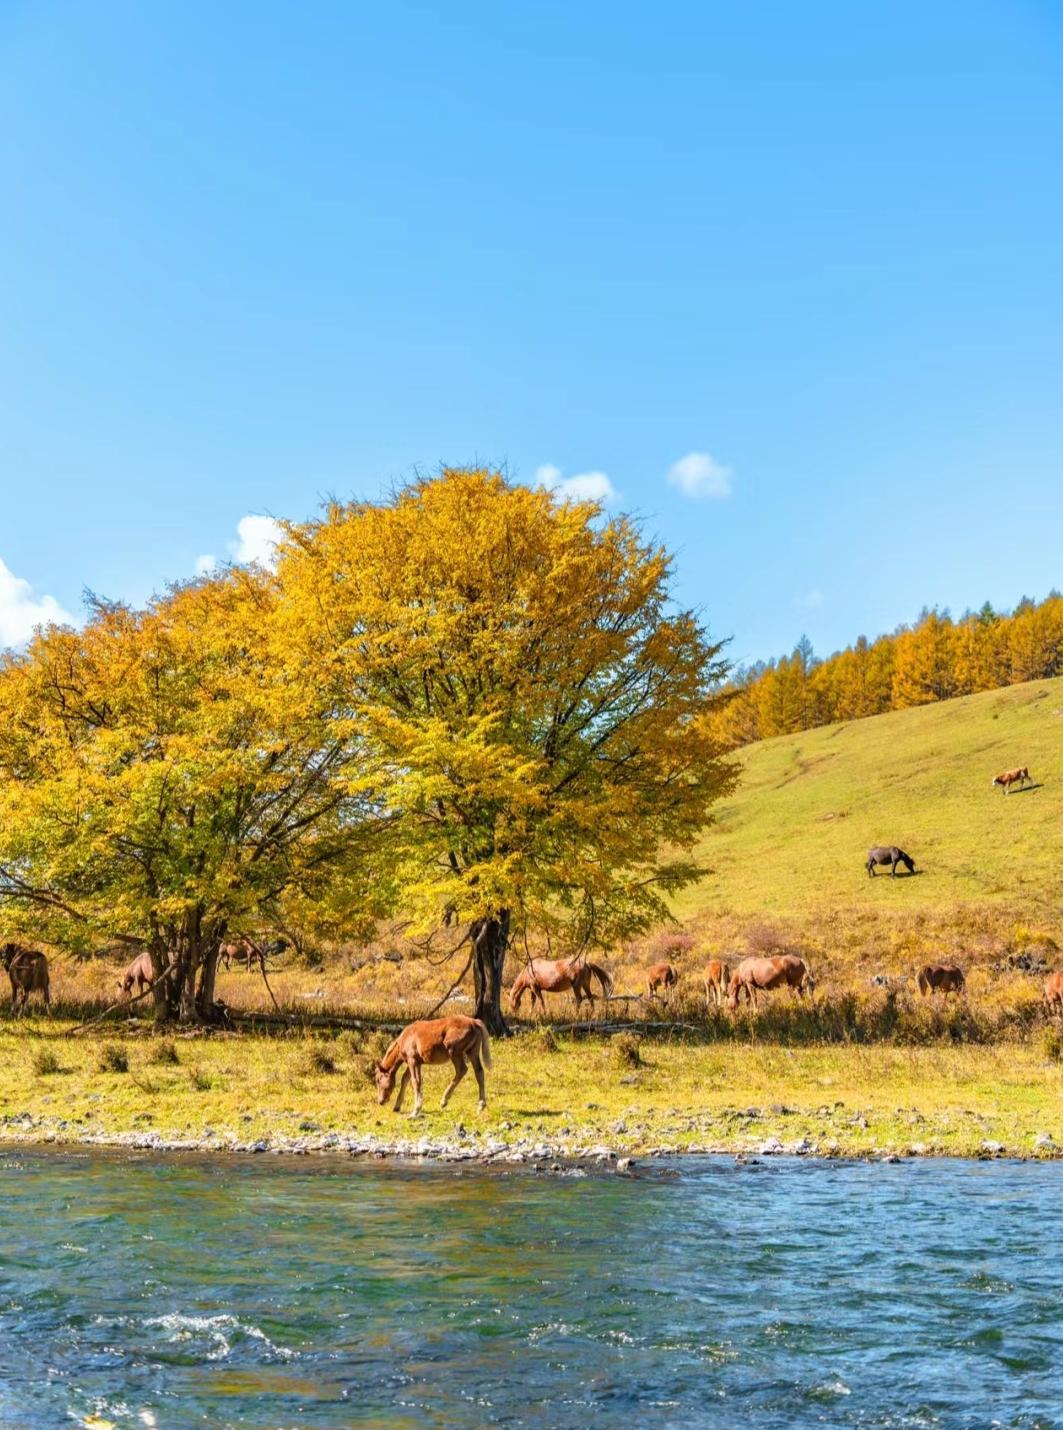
794, 837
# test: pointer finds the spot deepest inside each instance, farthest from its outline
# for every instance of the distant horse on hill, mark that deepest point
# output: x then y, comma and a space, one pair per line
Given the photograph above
1054, 992
891, 855
942, 978
1009, 778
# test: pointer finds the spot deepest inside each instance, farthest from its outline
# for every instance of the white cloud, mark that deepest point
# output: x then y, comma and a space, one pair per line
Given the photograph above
21, 611
810, 600
698, 474
257, 538
585, 486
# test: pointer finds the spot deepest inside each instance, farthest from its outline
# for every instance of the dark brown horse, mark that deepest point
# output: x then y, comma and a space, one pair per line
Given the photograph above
28, 971
558, 975
891, 855
784, 970
463, 1040
940, 978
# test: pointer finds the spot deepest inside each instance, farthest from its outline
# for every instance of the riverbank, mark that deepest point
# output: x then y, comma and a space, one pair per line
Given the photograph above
550, 1099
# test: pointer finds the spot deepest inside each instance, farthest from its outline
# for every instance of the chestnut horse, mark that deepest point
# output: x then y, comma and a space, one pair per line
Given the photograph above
28, 971
940, 978
1054, 992
558, 975
463, 1040
1018, 777
661, 975
716, 976
755, 975
242, 951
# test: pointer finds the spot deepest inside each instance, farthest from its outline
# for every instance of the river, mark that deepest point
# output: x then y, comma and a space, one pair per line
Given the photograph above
268, 1293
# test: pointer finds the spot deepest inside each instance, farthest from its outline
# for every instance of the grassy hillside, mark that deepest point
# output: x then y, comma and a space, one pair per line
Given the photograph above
793, 839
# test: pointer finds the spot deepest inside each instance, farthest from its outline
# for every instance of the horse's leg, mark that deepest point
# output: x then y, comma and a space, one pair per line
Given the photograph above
460, 1070
416, 1072
403, 1080
477, 1067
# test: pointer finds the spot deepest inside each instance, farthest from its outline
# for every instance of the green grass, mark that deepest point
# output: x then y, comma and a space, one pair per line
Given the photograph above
794, 837
567, 1093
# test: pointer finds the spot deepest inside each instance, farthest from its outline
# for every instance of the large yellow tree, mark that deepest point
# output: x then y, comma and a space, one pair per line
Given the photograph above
528, 707
162, 782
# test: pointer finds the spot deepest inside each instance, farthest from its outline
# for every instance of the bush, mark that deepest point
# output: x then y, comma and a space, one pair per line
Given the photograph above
542, 1040
1052, 1043
45, 1062
320, 1060
627, 1051
164, 1054
113, 1059
201, 1081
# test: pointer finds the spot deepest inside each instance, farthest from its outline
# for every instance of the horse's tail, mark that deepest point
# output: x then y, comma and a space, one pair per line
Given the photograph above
596, 971
485, 1042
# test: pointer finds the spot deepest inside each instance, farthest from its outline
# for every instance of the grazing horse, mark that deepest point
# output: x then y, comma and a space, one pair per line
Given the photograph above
463, 1040
891, 855
242, 951
661, 975
139, 975
942, 978
558, 975
28, 971
755, 975
1018, 777
1054, 992
716, 977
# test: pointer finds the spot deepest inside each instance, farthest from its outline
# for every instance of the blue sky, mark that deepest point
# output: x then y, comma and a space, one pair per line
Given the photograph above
807, 259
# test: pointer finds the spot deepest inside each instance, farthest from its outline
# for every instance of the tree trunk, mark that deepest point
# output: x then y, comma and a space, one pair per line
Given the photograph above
490, 939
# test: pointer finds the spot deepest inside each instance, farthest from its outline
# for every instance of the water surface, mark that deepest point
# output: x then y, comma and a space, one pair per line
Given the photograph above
184, 1292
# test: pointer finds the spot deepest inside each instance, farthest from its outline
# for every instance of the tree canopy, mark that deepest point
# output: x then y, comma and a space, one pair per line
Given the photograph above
529, 708
470, 705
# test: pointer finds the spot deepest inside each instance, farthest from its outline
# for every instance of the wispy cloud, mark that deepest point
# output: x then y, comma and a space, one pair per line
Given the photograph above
256, 541
21, 611
699, 474
809, 600
585, 486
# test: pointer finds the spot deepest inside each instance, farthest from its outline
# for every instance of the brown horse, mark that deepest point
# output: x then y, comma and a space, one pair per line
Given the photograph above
139, 975
558, 975
940, 978
28, 971
463, 1040
661, 975
1018, 777
1054, 992
716, 976
754, 975
242, 951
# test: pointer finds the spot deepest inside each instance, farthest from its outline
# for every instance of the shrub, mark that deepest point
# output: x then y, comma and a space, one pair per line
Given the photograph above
320, 1060
1052, 1043
201, 1081
164, 1054
542, 1040
627, 1051
45, 1062
113, 1059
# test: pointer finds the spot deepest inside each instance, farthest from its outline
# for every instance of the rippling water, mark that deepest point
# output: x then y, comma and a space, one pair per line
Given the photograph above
177, 1293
